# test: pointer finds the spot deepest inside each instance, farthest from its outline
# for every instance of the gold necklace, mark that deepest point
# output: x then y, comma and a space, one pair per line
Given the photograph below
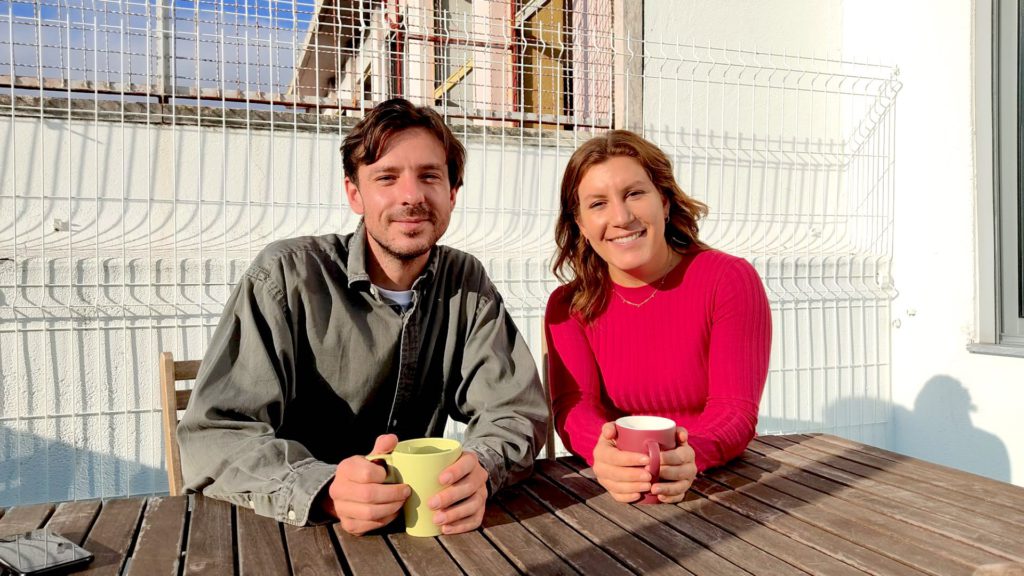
653, 294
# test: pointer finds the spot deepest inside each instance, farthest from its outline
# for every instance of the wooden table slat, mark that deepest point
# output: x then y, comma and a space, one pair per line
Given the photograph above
813, 536
790, 505
112, 534
981, 486
1000, 545
24, 518
630, 550
311, 550
839, 548
954, 522
423, 556
73, 520
1000, 499
529, 555
878, 469
781, 546
932, 532
684, 551
585, 513
579, 552
852, 474
158, 545
476, 555
367, 555
721, 542
209, 544
261, 548
800, 555
846, 526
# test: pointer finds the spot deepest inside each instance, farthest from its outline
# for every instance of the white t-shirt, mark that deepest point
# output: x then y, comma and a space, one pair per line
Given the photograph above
402, 298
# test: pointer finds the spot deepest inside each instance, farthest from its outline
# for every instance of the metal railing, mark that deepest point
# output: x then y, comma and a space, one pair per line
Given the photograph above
149, 149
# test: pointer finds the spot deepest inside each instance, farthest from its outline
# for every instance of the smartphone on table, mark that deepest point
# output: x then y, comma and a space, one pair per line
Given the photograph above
40, 552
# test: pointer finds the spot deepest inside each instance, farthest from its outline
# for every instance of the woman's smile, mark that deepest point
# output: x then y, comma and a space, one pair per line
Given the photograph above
627, 239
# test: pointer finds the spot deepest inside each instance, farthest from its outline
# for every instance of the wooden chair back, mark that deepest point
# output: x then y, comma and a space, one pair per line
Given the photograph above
549, 443
172, 401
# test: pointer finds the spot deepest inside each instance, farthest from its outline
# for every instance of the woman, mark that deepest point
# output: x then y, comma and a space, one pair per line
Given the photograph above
649, 320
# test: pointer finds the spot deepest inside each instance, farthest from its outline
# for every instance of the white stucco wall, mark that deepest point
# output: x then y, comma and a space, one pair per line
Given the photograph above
158, 222
948, 405
68, 439
953, 406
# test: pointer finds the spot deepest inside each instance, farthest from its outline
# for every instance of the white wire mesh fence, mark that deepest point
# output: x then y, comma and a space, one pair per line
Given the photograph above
795, 156
150, 149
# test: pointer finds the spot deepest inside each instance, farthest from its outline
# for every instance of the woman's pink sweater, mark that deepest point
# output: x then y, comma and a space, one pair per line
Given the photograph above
697, 352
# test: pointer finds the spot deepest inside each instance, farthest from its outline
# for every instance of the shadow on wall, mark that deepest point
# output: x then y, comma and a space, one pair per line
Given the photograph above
69, 473
940, 430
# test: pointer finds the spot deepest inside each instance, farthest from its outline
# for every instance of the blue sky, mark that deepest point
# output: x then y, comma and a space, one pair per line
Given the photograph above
279, 13
241, 44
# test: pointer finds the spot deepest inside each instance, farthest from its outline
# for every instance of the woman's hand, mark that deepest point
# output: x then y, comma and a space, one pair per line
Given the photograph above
678, 470
621, 473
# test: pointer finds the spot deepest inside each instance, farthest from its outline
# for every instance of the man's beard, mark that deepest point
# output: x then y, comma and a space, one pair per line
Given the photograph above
419, 211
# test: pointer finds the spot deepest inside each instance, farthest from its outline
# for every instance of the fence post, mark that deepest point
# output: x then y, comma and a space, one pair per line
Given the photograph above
164, 48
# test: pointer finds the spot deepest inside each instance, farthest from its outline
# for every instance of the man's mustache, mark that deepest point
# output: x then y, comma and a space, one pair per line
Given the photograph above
417, 212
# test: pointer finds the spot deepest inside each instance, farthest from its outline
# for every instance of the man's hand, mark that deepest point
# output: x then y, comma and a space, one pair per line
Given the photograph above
459, 507
358, 496
622, 473
678, 470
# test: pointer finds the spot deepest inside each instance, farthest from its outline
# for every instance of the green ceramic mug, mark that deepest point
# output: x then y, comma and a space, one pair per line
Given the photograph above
418, 463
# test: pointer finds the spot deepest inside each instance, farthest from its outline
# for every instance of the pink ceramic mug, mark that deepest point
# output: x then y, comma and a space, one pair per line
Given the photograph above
647, 435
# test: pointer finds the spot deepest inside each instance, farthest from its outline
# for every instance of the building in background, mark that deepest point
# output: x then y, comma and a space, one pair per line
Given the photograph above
541, 63
149, 149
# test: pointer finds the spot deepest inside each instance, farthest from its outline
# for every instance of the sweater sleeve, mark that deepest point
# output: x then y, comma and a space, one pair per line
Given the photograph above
740, 344
574, 379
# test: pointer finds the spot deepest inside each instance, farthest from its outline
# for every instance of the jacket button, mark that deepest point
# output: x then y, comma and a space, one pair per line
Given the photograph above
291, 514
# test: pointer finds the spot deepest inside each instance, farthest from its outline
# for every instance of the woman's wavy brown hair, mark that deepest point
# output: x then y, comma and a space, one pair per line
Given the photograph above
576, 263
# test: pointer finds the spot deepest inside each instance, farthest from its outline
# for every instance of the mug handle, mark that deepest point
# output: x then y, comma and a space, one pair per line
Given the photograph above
385, 461
654, 453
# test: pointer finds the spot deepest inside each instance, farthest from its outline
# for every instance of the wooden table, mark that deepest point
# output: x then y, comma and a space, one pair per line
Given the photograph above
791, 505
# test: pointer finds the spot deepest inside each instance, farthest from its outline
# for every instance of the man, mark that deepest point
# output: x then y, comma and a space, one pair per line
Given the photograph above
334, 347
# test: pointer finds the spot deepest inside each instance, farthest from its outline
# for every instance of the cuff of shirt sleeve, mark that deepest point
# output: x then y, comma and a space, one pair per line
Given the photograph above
493, 463
303, 485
